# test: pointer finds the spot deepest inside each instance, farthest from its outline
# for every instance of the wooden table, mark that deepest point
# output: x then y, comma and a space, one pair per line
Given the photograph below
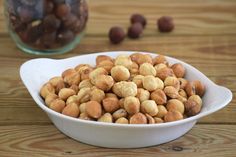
205, 36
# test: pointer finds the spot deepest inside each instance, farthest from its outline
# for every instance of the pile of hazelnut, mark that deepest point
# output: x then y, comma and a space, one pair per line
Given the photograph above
135, 89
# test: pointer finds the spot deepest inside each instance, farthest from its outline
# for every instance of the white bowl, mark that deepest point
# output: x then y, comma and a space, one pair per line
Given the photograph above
36, 72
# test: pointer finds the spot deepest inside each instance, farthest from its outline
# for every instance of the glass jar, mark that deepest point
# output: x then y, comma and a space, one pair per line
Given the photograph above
46, 26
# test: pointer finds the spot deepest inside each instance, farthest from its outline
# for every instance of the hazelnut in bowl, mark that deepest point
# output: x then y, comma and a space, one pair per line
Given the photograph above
122, 99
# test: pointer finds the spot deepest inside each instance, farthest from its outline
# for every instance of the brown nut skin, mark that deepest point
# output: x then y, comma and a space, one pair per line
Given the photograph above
138, 80
138, 18
122, 120
178, 70
149, 107
49, 98
107, 118
163, 73
119, 113
147, 69
200, 88
97, 95
85, 84
57, 105
162, 111
104, 82
173, 116
71, 76
150, 119
124, 60
138, 118
160, 59
71, 110
96, 73
110, 104
172, 81
195, 87
132, 105
116, 34
159, 97
192, 108
158, 120
120, 73
47, 89
102, 58
175, 105
143, 94
93, 109
165, 24
183, 82
135, 30
65, 93
135, 57
107, 65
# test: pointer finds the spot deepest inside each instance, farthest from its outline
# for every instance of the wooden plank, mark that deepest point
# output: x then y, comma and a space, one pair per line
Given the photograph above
39, 141
191, 17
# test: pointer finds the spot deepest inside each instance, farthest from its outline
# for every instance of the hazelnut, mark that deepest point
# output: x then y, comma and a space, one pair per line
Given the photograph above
163, 73
175, 105
192, 107
59, 86
147, 69
85, 84
121, 103
138, 18
182, 93
82, 107
93, 109
134, 70
81, 67
171, 92
75, 88
120, 73
84, 95
150, 119
173, 116
183, 82
159, 66
56, 80
107, 65
200, 88
125, 89
159, 97
151, 83
65, 93
97, 95
160, 59
110, 104
135, 30
124, 60
107, 118
138, 80
110, 95
196, 98
138, 118
158, 120
102, 58
149, 107
47, 89
104, 82
195, 87
49, 98
131, 105
172, 81
96, 74
135, 57
165, 24
162, 111
71, 77
84, 116
144, 58
84, 70
178, 70
57, 105
71, 110
143, 94
119, 113
73, 99
116, 35
122, 120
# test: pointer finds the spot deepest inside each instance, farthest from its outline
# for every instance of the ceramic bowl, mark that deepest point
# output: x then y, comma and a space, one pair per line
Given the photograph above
34, 73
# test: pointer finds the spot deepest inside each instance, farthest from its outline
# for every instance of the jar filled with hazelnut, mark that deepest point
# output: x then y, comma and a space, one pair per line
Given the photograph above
46, 26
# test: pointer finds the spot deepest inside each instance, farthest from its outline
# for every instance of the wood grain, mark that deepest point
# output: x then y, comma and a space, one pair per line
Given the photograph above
40, 141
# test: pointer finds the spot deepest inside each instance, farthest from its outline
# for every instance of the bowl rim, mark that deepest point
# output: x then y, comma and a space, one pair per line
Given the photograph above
168, 124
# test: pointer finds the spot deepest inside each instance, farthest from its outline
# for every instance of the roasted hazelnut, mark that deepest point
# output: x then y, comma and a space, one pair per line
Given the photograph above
57, 105
158, 120
120, 73
107, 118
104, 82
56, 80
51, 23
75, 88
149, 107
121, 103
135, 57
163, 73
71, 77
93, 109
165, 24
193, 106
47, 89
147, 69
65, 37
119, 113
159, 66
171, 92
143, 94
200, 88
151, 83
159, 96
162, 111
110, 104
49, 98
107, 65
122, 120
85, 116
196, 98
175, 105
84, 71
144, 58
138, 18
84, 95
134, 70
82, 108
183, 82
124, 60
116, 35
110, 95
102, 58
73, 99
96, 74
178, 70
131, 105
150, 119
138, 80
173, 116
97, 95
85, 84
135, 30
125, 89
172, 81
62, 10
71, 110
138, 118
65, 93
160, 59
182, 93
195, 87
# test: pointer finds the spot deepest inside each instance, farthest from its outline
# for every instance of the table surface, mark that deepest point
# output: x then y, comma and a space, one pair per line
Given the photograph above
205, 36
